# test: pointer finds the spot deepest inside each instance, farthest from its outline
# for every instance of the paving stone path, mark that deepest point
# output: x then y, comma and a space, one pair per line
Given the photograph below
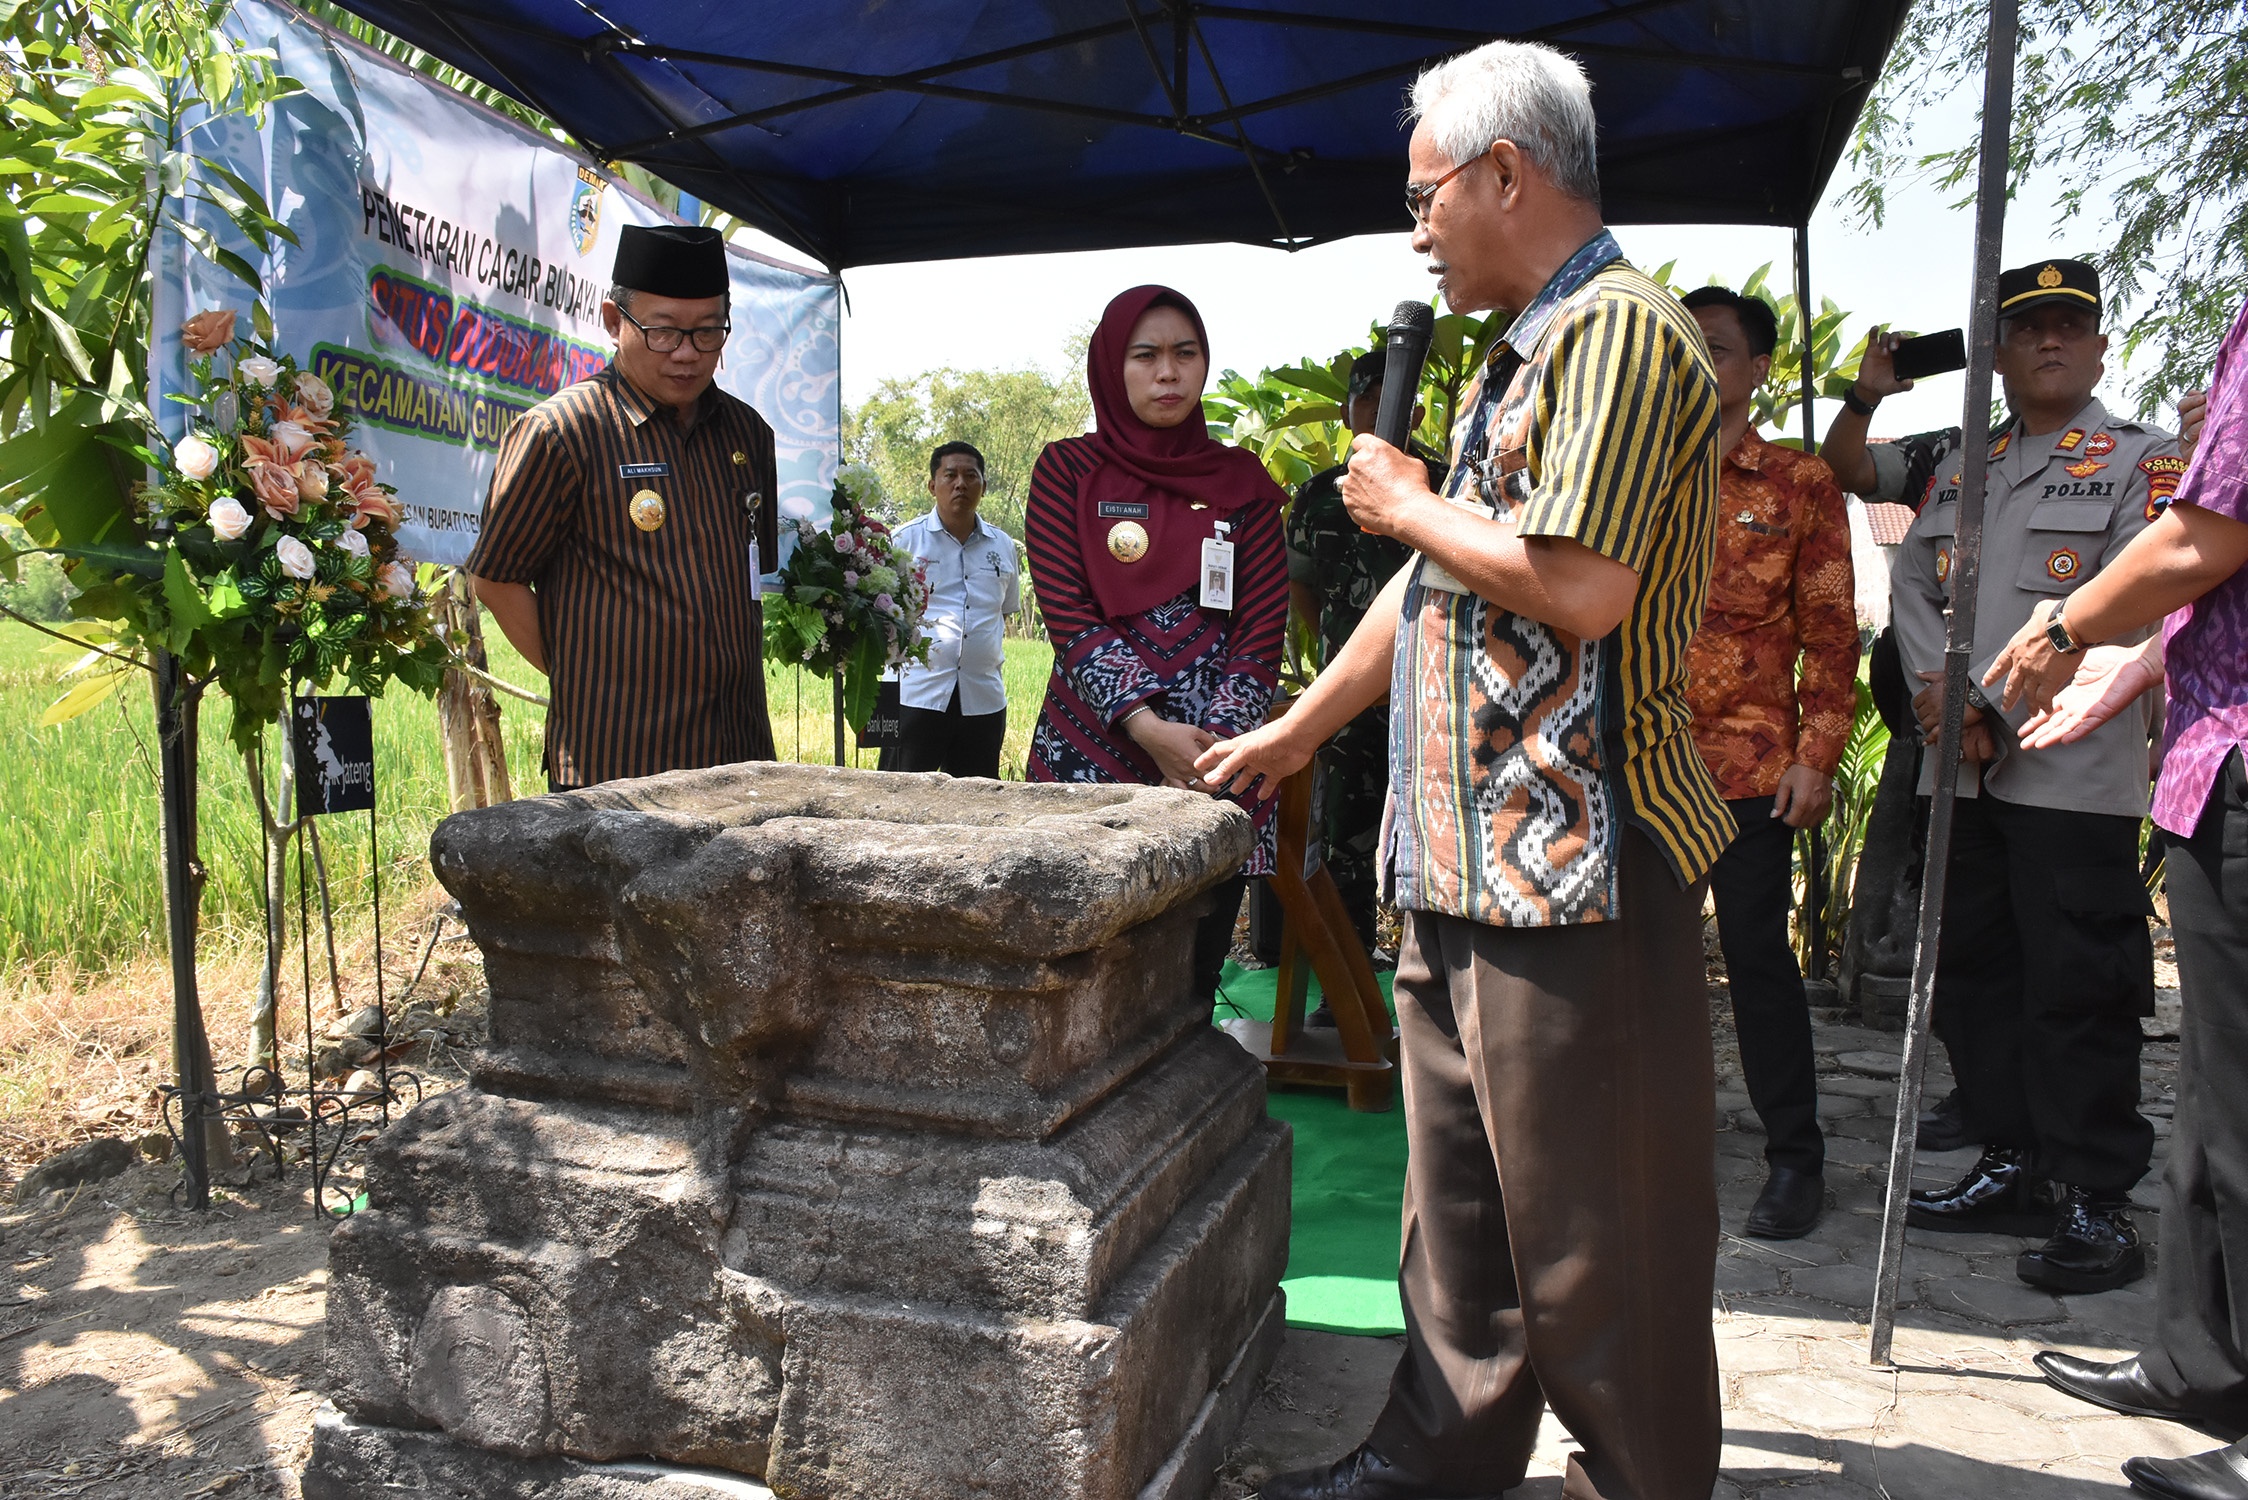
1961, 1414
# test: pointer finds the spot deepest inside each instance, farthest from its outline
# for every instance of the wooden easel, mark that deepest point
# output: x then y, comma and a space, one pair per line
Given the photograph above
1316, 937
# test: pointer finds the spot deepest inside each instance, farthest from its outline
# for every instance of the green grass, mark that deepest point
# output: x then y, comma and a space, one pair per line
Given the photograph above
79, 845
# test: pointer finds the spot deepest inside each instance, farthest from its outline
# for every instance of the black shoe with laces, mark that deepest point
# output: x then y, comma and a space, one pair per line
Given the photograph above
1944, 1128
2095, 1247
1999, 1195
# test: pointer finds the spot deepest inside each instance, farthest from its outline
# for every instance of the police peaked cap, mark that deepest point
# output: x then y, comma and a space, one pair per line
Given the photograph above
686, 261
2074, 282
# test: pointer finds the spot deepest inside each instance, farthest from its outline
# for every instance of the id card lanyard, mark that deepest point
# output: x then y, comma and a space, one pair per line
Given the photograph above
1217, 569
753, 500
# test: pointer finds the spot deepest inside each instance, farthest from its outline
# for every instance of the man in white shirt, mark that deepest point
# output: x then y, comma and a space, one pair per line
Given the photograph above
953, 711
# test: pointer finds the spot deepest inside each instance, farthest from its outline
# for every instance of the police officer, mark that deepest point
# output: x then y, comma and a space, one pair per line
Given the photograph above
1334, 571
2047, 963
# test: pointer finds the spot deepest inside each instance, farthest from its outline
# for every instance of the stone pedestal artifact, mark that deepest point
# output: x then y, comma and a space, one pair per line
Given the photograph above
850, 1133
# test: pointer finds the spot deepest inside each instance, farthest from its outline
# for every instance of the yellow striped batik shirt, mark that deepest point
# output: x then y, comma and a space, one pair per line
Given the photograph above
654, 641
1519, 753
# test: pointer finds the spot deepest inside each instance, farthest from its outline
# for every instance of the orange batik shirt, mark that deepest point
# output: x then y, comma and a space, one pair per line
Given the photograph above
1781, 591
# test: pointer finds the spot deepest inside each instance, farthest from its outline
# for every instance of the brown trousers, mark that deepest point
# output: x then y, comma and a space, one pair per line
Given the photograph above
1560, 1229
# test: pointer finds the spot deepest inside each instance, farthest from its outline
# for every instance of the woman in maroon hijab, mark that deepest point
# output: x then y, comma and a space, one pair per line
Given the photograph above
1149, 670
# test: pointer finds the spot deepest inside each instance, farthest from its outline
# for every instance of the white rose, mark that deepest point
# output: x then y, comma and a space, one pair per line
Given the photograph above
229, 518
196, 456
259, 370
396, 580
293, 438
354, 543
314, 393
296, 557
796, 508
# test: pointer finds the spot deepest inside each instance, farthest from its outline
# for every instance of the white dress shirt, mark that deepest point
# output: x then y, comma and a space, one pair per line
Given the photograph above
972, 584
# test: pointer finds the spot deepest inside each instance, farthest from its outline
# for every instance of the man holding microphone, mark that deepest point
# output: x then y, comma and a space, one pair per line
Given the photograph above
1549, 833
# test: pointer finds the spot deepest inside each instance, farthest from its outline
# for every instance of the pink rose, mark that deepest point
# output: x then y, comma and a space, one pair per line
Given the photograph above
844, 544
850, 579
208, 332
276, 488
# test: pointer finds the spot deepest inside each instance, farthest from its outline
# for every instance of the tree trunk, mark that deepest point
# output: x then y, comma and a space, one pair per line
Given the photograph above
468, 712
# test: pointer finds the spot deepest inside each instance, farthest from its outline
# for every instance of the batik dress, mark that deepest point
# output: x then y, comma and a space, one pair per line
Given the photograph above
1215, 668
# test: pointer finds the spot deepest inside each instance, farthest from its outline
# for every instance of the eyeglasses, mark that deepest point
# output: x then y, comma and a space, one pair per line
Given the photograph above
1417, 195
662, 340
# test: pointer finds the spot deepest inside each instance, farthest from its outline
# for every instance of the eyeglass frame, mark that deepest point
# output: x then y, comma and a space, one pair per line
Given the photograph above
1418, 199
724, 331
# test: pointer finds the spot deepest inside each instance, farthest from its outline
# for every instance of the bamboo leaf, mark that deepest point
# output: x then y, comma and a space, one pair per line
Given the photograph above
89, 694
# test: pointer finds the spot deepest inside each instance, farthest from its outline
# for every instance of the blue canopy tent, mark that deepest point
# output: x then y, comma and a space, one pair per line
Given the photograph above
866, 131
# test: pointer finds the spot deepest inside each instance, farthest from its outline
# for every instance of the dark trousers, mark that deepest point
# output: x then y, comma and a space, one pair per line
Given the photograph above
2046, 967
1560, 1225
2201, 1282
1754, 893
950, 741
1213, 935
1354, 768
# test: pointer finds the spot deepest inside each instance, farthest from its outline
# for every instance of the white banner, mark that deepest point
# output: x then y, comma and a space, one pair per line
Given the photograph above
448, 276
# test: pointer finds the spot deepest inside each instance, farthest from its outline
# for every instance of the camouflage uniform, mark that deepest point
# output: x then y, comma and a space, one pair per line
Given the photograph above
1346, 568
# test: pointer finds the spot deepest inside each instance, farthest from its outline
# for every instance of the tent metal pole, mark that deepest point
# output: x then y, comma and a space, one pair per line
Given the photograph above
1810, 922
1959, 637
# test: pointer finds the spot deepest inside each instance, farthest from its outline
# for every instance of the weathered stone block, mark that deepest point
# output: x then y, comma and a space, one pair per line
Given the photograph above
852, 1132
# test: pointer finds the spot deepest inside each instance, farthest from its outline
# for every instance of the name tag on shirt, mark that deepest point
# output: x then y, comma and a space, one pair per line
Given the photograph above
1122, 510
756, 574
1217, 573
644, 471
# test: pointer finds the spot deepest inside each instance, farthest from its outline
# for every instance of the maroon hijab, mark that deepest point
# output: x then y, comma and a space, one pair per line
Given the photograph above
1154, 476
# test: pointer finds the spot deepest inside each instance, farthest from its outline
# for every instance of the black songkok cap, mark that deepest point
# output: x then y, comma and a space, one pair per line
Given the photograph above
1367, 371
2074, 282
672, 260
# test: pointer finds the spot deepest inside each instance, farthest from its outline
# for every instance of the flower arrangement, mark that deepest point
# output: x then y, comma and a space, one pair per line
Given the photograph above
850, 602
283, 567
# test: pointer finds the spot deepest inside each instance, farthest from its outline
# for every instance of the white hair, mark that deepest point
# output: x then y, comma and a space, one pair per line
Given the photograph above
1514, 91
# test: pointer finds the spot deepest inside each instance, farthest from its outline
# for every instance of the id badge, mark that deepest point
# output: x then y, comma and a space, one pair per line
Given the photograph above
756, 573
1434, 575
1217, 573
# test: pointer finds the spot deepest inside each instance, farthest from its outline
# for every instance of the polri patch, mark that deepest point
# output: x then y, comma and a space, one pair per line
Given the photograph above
2101, 445
2062, 565
1122, 510
644, 471
2162, 463
2085, 468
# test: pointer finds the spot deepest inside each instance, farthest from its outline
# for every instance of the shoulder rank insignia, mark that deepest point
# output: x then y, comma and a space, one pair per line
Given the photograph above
2005, 439
2070, 439
2062, 565
2100, 445
2085, 468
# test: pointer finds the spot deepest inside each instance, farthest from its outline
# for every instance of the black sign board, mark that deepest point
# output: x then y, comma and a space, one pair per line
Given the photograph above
335, 746
885, 726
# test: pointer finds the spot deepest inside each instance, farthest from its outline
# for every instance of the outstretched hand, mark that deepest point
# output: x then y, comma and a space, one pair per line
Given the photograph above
1269, 752
2108, 680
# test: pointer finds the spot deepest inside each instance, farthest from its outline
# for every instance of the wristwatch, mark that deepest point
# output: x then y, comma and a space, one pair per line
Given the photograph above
1857, 403
2056, 631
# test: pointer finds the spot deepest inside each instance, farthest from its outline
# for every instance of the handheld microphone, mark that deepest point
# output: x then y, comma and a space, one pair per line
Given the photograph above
1407, 348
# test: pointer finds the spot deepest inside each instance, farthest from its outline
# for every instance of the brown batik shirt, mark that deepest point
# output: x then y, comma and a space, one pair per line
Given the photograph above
654, 643
1781, 592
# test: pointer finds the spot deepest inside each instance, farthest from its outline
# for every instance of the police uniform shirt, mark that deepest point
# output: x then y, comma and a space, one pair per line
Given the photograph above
2059, 507
973, 585
635, 531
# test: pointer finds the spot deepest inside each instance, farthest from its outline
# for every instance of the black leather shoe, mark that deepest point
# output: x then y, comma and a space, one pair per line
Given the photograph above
1944, 1128
1789, 1207
1323, 1017
2218, 1475
1361, 1474
2124, 1387
2095, 1248
1999, 1195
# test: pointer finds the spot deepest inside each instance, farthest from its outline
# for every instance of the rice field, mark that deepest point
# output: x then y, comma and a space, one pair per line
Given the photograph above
80, 885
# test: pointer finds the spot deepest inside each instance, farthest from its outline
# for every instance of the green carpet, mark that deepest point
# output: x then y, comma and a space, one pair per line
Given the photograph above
1349, 1183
